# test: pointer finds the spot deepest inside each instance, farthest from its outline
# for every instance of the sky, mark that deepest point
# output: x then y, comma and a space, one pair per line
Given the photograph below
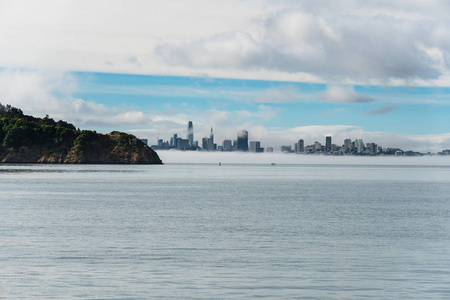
283, 70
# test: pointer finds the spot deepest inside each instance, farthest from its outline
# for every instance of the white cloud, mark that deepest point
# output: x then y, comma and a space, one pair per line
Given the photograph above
338, 42
47, 92
34, 91
381, 111
227, 50
343, 94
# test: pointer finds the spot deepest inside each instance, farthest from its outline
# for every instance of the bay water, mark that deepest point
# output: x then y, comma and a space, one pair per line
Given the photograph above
235, 231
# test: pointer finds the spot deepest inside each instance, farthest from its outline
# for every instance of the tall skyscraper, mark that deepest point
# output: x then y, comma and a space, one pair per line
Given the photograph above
211, 141
190, 133
300, 146
328, 144
242, 140
205, 143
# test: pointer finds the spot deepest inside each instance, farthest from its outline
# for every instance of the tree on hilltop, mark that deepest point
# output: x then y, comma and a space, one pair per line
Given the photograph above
10, 111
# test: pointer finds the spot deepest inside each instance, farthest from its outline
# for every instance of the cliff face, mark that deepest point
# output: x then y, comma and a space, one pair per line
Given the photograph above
24, 139
113, 148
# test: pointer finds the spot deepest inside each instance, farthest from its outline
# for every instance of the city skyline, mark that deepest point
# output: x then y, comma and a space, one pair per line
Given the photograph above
243, 144
375, 71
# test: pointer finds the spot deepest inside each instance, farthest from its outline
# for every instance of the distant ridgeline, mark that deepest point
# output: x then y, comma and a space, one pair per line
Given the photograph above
26, 139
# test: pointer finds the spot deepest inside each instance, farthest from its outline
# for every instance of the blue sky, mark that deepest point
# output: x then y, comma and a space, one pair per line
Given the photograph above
283, 70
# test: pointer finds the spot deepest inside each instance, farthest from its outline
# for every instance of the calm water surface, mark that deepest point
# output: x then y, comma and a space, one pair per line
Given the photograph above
189, 231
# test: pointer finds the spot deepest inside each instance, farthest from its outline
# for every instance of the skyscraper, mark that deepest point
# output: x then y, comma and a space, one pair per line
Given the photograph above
173, 140
300, 146
205, 143
348, 145
359, 146
190, 133
328, 144
211, 141
242, 140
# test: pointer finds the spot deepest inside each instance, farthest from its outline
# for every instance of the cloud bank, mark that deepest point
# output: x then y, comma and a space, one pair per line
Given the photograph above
351, 41
340, 42
343, 94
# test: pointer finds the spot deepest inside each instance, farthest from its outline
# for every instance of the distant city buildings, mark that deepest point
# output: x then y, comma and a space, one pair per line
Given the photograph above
211, 141
242, 140
256, 147
286, 149
300, 146
207, 142
227, 145
190, 133
356, 147
328, 144
444, 152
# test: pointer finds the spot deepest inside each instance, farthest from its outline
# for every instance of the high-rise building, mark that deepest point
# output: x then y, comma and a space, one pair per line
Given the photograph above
348, 146
205, 143
242, 140
256, 147
173, 140
190, 133
182, 144
286, 148
300, 146
227, 146
373, 148
328, 144
359, 144
211, 141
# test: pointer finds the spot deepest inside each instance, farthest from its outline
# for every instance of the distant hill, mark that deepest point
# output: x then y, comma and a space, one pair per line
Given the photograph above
26, 139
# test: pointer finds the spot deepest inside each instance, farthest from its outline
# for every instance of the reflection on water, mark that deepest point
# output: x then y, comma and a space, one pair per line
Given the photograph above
48, 168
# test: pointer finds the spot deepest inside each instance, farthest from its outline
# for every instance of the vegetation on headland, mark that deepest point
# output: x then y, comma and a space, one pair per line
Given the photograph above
26, 139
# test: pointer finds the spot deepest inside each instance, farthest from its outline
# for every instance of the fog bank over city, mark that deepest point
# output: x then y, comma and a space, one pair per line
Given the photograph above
175, 156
